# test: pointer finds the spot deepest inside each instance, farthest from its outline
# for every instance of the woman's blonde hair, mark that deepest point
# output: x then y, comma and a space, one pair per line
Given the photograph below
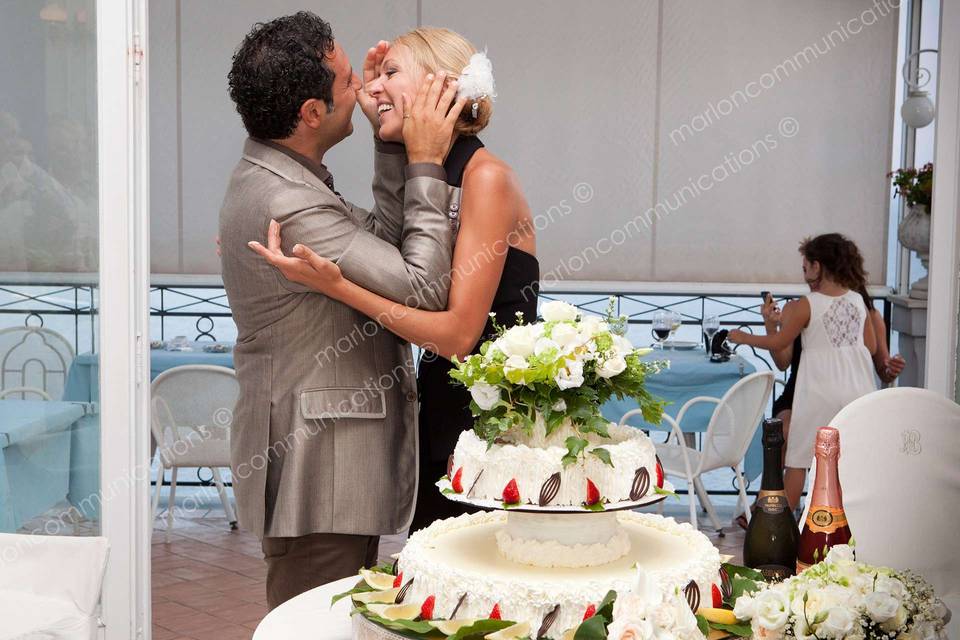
435, 49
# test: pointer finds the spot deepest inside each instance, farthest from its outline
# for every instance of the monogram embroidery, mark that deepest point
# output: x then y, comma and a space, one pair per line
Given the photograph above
911, 442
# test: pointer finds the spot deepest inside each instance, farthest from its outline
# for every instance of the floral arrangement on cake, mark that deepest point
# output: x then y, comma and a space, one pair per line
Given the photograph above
555, 372
842, 598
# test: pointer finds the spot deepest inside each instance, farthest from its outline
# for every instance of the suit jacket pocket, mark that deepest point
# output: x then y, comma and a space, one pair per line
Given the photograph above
343, 402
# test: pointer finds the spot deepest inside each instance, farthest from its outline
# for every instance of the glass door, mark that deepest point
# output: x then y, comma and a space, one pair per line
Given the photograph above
71, 423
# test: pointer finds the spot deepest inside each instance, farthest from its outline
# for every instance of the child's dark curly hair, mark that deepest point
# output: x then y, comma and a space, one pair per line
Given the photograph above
279, 66
838, 256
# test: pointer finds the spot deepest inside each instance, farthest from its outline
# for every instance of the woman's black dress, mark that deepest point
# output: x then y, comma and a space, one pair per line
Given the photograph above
785, 400
445, 408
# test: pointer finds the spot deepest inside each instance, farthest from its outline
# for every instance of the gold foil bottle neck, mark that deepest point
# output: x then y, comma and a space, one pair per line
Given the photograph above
828, 443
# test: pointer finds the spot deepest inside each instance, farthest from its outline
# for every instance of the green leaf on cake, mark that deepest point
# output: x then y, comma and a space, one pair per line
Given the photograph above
737, 570
447, 491
703, 625
605, 608
480, 628
741, 630
593, 628
741, 586
603, 454
575, 446
596, 506
665, 492
420, 627
361, 587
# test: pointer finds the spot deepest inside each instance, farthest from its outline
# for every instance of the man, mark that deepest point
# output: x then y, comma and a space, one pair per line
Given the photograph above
324, 450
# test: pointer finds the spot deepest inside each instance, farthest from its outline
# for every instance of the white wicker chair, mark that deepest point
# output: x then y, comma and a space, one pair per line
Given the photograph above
191, 414
732, 425
901, 484
34, 362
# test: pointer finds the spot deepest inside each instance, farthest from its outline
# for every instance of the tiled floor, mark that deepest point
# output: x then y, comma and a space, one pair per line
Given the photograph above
208, 581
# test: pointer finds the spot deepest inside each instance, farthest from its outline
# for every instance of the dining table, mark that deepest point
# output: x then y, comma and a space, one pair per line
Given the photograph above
690, 373
36, 457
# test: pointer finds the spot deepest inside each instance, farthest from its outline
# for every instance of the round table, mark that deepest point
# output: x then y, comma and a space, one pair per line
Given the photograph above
310, 615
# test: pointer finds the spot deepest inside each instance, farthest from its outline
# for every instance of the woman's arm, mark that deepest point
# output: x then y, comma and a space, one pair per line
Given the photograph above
796, 315
869, 335
488, 216
887, 367
771, 322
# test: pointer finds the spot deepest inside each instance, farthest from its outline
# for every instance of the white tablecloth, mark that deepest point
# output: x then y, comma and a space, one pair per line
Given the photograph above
310, 615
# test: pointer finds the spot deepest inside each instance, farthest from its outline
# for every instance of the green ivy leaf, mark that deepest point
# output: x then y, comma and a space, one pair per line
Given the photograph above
737, 570
574, 446
603, 454
596, 506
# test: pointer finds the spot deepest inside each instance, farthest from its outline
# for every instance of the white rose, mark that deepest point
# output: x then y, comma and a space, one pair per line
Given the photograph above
886, 584
773, 609
612, 366
564, 335
559, 405
840, 553
545, 344
745, 607
838, 623
896, 621
590, 325
665, 617
881, 606
518, 341
630, 629
558, 310
571, 375
485, 395
515, 363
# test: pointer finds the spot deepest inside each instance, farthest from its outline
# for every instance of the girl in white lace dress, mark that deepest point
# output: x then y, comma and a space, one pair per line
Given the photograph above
836, 365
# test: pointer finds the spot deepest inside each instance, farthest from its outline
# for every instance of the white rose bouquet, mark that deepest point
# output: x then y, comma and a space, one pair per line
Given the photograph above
563, 368
842, 598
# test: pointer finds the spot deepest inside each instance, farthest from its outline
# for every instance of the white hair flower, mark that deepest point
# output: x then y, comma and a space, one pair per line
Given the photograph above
476, 79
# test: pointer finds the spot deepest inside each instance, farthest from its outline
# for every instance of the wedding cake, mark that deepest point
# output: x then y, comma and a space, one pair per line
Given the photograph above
559, 484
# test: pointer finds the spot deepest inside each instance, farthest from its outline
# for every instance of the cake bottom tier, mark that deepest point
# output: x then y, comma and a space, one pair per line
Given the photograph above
459, 557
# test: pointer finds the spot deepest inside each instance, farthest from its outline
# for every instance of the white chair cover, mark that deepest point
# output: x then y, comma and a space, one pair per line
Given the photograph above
899, 453
50, 585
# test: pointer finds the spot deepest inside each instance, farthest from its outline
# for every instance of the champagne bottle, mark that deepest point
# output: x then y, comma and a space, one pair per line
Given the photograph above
771, 542
826, 523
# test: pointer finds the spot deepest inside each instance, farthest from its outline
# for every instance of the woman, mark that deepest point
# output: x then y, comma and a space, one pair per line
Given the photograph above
886, 366
838, 340
495, 272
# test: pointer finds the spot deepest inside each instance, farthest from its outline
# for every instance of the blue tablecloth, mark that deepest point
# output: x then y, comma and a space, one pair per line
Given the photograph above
83, 377
35, 457
83, 384
690, 375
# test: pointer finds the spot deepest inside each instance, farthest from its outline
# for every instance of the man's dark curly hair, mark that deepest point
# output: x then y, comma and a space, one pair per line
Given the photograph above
839, 257
279, 66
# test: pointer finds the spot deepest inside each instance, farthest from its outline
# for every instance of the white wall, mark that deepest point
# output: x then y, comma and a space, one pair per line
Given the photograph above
603, 111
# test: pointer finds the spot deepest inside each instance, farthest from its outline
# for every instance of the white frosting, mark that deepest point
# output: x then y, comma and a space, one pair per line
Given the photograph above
532, 465
551, 553
460, 555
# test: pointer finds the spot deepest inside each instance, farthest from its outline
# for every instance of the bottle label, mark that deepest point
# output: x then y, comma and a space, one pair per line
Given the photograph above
772, 502
822, 519
775, 572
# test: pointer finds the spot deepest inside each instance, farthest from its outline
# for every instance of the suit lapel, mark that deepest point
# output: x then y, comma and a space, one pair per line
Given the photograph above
283, 165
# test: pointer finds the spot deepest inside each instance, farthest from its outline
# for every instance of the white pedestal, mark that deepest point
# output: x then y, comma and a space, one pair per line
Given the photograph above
910, 320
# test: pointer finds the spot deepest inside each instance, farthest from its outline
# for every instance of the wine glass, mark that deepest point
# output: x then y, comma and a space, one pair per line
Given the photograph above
676, 320
711, 324
661, 326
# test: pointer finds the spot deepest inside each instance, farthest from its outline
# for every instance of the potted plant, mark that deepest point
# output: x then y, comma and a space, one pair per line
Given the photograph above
915, 187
